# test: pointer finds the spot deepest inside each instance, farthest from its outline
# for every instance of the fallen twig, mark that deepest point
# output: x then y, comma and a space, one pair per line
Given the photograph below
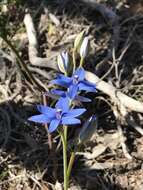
133, 124
116, 96
122, 141
33, 45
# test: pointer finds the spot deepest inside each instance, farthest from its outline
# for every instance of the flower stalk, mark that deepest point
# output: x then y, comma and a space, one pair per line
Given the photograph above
70, 165
81, 62
64, 143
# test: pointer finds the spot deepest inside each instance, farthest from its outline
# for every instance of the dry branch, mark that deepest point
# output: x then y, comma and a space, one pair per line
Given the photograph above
33, 46
116, 96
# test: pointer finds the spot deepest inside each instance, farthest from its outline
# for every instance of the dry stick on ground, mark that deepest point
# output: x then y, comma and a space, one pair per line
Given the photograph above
122, 115
51, 144
121, 135
33, 45
116, 96
133, 124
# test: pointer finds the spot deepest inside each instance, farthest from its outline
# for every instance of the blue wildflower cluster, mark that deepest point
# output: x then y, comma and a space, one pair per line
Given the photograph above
62, 114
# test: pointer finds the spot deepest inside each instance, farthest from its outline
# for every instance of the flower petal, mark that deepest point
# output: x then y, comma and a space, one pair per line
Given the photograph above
50, 112
60, 82
64, 78
80, 73
89, 83
72, 91
53, 125
88, 88
70, 121
40, 119
63, 104
58, 92
75, 112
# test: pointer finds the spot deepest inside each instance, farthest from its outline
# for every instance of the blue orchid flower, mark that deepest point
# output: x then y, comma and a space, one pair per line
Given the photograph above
75, 83
60, 115
63, 94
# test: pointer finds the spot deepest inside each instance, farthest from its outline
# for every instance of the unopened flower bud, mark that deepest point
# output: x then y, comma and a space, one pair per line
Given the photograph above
78, 40
63, 62
84, 47
87, 130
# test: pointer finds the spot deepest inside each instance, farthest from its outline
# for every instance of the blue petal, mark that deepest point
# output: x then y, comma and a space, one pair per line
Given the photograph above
89, 83
53, 125
64, 78
75, 112
70, 121
58, 92
50, 112
63, 104
85, 87
80, 73
60, 82
40, 118
82, 99
72, 91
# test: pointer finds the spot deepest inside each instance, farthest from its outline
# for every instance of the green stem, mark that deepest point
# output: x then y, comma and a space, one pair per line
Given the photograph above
72, 158
64, 142
65, 73
81, 62
65, 132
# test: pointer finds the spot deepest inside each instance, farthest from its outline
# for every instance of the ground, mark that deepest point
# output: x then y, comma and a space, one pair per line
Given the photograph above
114, 28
